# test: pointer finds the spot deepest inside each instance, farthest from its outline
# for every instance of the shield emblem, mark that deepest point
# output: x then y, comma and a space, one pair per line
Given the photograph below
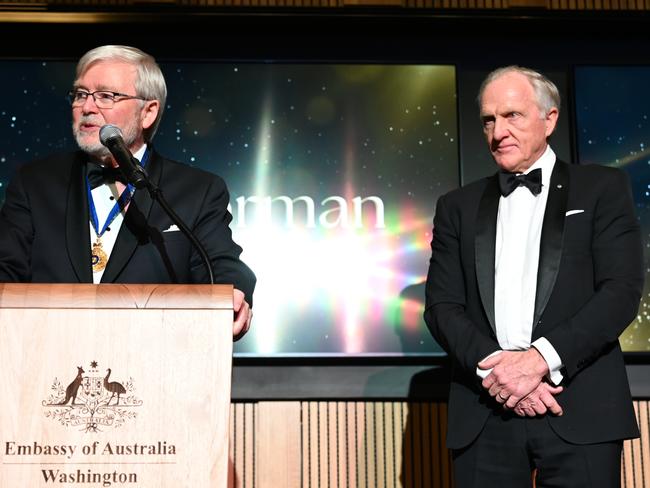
92, 386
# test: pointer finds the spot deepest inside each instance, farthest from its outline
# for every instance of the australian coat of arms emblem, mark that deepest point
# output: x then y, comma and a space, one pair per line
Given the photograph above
92, 401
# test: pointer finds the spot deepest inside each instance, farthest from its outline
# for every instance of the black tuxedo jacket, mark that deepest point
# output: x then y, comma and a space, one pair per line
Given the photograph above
44, 228
589, 285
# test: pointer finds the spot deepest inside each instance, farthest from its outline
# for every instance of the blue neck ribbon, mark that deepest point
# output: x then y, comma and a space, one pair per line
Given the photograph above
120, 204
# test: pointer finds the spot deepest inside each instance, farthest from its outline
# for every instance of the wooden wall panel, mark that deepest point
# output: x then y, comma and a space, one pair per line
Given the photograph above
365, 445
342, 440
324, 434
311, 456
636, 453
242, 444
277, 451
121, 5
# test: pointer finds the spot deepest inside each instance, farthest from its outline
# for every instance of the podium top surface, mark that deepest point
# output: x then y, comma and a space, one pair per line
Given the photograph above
121, 296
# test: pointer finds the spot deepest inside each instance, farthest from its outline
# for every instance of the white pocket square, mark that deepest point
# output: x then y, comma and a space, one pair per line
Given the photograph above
573, 212
172, 228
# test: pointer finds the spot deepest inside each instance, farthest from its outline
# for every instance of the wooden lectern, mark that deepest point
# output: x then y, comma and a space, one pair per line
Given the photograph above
115, 385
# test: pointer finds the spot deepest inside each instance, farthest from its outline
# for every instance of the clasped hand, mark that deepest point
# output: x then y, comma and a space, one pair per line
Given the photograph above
516, 382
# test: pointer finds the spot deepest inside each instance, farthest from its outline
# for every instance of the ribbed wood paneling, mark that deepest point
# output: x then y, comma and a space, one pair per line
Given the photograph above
243, 445
635, 471
365, 445
579, 5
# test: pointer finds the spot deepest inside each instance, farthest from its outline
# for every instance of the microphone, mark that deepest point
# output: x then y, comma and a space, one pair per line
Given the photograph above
111, 137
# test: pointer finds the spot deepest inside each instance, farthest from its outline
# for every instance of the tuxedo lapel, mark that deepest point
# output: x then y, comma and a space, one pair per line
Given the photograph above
134, 227
484, 246
77, 231
550, 248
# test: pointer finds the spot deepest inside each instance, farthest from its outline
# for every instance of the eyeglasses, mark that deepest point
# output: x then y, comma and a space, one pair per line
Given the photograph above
103, 99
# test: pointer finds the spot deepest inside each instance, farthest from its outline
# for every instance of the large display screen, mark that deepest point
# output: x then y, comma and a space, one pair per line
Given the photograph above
613, 129
333, 169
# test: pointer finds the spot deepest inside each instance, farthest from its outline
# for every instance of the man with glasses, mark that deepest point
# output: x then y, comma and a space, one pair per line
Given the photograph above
71, 219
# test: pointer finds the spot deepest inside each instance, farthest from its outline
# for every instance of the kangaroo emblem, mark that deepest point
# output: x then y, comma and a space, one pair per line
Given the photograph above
71, 390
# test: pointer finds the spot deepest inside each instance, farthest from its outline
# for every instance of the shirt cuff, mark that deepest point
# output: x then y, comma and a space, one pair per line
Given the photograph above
482, 373
552, 359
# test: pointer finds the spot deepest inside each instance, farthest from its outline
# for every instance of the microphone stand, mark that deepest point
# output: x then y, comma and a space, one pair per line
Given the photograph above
138, 177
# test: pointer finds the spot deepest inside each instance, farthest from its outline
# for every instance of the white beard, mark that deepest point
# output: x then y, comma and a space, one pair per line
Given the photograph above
95, 148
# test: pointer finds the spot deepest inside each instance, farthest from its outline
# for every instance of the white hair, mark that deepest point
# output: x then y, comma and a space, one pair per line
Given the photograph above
546, 93
149, 82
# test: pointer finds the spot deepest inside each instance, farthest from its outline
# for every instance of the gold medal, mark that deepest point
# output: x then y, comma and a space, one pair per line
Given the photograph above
98, 257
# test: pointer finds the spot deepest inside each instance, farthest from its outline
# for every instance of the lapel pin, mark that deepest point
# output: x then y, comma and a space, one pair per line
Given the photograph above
559, 186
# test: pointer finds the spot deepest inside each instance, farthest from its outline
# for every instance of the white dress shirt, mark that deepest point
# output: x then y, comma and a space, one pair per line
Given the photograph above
104, 197
518, 235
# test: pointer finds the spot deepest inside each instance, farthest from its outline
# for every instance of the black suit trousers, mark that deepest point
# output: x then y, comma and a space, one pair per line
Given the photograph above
511, 451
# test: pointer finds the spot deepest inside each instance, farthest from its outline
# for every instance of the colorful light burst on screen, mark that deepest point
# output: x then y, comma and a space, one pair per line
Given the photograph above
334, 171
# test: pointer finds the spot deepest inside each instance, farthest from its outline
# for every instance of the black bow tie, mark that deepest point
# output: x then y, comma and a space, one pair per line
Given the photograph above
100, 175
508, 182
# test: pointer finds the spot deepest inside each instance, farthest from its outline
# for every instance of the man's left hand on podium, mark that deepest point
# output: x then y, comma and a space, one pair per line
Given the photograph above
243, 315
